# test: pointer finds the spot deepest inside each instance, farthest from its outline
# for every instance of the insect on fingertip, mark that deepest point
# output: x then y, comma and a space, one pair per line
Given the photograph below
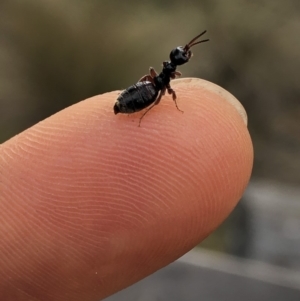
151, 87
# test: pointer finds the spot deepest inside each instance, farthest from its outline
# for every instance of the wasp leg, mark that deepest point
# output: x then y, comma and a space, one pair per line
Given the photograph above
145, 114
146, 78
149, 77
152, 71
162, 92
175, 74
171, 91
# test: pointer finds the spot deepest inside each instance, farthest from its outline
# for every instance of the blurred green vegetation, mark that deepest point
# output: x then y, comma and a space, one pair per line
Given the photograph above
56, 53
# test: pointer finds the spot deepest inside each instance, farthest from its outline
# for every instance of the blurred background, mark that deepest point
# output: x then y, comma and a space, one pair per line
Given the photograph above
56, 53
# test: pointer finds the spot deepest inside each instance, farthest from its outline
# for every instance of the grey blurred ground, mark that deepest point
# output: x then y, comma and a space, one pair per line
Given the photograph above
274, 217
270, 236
200, 275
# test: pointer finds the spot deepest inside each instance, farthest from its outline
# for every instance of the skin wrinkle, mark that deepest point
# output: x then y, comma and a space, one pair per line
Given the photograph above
49, 227
141, 174
95, 193
60, 216
31, 242
25, 275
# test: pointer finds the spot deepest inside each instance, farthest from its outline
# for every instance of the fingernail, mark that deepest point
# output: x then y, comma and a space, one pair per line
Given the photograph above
217, 90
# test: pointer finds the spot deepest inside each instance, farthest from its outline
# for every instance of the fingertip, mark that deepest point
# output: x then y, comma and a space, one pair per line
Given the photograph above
197, 83
113, 202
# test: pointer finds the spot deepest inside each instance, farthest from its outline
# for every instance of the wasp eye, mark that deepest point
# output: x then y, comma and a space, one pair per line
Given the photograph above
179, 56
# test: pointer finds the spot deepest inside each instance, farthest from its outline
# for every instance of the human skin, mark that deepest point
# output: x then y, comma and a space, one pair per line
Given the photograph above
90, 203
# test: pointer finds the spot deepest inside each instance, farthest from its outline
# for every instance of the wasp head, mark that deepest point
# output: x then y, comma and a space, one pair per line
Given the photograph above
181, 55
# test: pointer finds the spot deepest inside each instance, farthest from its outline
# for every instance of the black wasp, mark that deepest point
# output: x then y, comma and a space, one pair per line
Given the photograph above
150, 88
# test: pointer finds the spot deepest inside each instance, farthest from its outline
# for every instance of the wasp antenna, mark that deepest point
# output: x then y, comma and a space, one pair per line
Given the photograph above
198, 43
197, 37
194, 39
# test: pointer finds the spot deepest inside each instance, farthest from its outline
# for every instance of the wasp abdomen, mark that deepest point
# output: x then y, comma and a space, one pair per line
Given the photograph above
136, 98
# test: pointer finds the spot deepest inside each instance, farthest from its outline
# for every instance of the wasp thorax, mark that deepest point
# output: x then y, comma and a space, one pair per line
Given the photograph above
179, 56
